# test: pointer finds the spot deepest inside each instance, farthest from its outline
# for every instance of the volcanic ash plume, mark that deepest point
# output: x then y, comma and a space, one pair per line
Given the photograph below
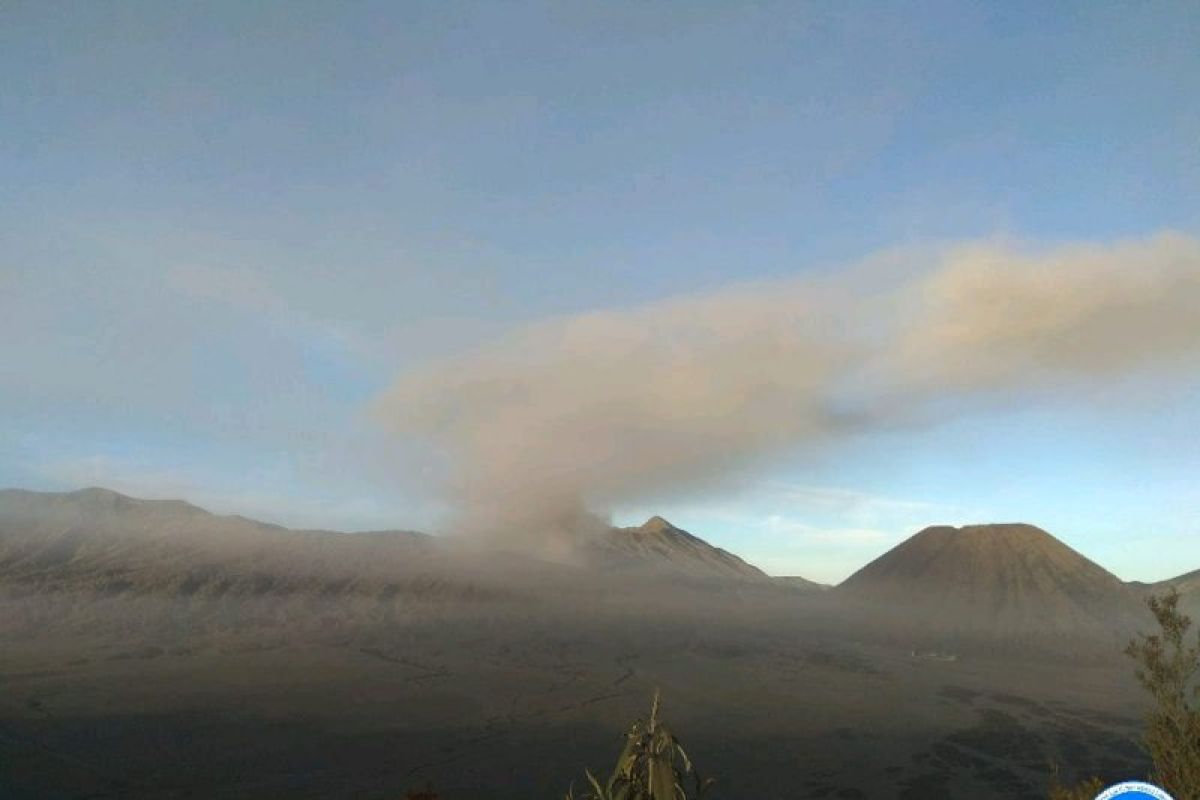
583, 412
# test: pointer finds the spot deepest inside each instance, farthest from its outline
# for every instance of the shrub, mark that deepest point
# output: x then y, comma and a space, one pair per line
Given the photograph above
652, 766
1167, 668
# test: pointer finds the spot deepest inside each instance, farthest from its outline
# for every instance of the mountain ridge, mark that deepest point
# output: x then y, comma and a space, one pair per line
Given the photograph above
1186, 585
103, 538
1014, 577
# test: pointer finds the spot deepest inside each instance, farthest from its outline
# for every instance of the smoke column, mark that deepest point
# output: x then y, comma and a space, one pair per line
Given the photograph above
567, 417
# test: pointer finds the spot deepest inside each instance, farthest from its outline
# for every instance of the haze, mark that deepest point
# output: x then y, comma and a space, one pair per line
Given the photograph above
239, 231
397, 394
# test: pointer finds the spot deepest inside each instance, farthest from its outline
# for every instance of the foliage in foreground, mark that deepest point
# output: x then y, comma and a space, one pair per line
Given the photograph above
1168, 666
1085, 790
652, 766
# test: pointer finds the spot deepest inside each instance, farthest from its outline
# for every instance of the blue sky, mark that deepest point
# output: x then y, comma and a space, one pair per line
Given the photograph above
230, 227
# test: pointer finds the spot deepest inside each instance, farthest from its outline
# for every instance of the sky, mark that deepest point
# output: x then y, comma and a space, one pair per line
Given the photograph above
244, 244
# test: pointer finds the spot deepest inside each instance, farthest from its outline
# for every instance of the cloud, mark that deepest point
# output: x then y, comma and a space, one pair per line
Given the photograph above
617, 406
847, 503
607, 405
993, 315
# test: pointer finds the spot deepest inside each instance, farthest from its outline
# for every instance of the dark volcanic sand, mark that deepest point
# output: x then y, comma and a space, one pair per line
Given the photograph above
516, 708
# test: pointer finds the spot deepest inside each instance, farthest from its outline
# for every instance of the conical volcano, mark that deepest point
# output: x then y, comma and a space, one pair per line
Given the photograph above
659, 546
994, 579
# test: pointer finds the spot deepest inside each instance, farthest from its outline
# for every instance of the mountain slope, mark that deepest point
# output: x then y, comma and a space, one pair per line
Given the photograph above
1003, 579
100, 540
657, 546
1187, 585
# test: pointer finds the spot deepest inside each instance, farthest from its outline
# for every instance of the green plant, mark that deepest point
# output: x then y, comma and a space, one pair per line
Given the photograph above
652, 766
1168, 666
1084, 790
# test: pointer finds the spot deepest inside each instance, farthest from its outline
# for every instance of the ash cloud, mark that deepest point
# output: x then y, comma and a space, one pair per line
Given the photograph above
565, 418
991, 316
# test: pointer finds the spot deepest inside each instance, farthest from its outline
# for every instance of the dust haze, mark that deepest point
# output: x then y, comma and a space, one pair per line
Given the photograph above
565, 419
221, 656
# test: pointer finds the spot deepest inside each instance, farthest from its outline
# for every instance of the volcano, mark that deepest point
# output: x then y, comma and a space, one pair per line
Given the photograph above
100, 540
999, 579
660, 547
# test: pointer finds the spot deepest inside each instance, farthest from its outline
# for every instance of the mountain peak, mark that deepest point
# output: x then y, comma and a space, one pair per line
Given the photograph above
108, 499
659, 546
657, 524
947, 553
1017, 576
995, 534
93, 495
1006, 529
99, 492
